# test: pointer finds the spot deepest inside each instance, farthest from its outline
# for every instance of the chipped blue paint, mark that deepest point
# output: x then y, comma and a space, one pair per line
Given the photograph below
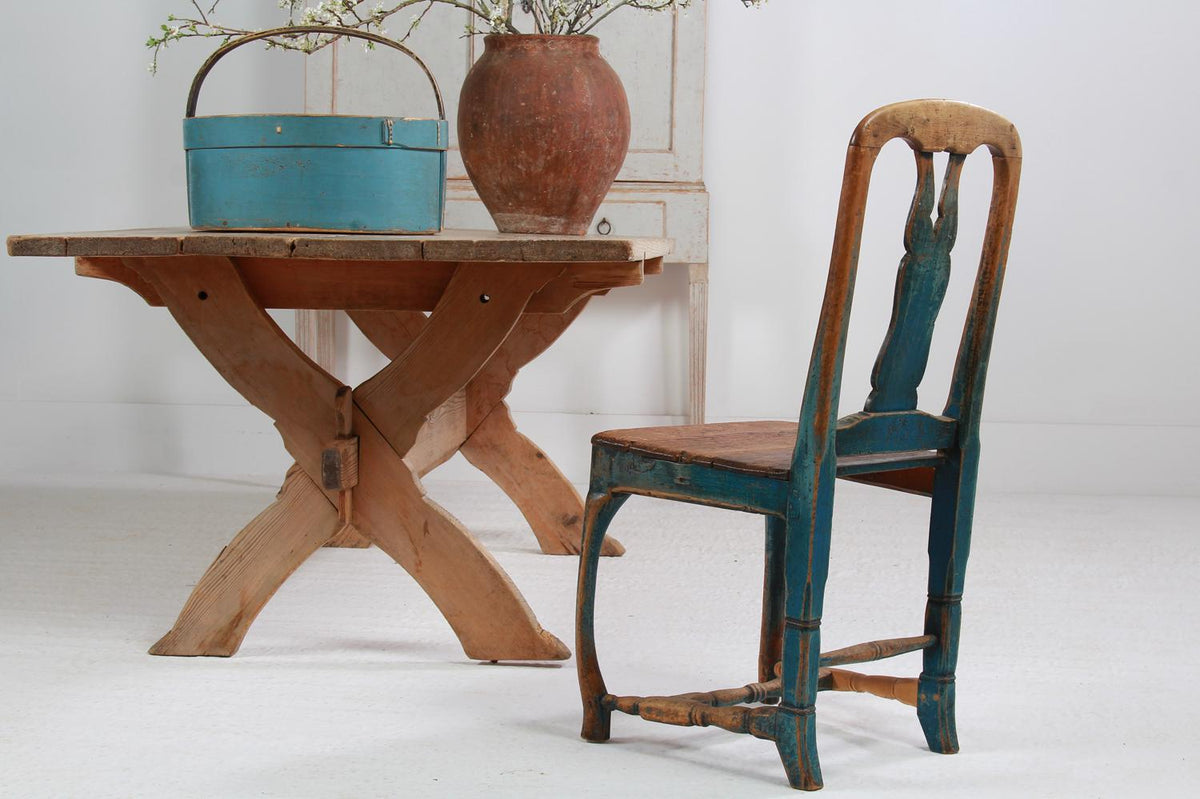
316, 173
889, 434
342, 174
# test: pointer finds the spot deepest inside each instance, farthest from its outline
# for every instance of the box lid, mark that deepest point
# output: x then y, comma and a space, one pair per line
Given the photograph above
309, 130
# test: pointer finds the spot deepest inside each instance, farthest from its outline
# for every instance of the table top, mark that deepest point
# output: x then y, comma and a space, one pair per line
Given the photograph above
449, 245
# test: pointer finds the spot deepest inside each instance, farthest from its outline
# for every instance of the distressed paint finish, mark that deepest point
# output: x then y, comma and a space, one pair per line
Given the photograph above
787, 472
899, 431
920, 288
238, 179
313, 172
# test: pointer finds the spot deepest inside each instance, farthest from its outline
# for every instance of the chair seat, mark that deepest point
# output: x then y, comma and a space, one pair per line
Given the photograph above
761, 448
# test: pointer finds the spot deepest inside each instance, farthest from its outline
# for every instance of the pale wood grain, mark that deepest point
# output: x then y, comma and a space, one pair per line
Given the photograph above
246, 574
756, 721
532, 335
376, 285
480, 602
443, 433
413, 285
939, 126
212, 304
114, 269
348, 538
478, 310
902, 689
449, 245
550, 504
218, 312
546, 498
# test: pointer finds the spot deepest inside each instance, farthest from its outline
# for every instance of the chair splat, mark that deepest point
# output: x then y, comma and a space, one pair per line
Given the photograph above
921, 285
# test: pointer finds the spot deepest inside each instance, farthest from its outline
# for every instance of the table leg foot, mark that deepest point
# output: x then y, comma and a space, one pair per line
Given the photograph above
248, 571
479, 600
550, 504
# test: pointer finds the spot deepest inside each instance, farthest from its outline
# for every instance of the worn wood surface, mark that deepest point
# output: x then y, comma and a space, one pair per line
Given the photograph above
765, 449
385, 285
449, 245
352, 481
787, 471
902, 689
939, 126
476, 422
247, 572
471, 590
476, 313
225, 322
551, 505
758, 721
877, 650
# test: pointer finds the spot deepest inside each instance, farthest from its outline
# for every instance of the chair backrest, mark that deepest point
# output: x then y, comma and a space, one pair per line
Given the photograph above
890, 422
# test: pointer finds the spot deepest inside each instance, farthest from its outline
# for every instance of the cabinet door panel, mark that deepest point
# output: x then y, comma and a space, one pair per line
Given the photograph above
660, 58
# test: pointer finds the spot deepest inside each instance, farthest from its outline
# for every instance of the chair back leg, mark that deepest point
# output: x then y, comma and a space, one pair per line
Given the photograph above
770, 647
950, 518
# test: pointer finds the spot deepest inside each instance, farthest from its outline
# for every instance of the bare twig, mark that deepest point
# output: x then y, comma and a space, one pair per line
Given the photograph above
549, 17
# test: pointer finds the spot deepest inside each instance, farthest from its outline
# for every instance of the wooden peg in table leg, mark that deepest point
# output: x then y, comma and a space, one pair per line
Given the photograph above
339, 470
339, 461
339, 465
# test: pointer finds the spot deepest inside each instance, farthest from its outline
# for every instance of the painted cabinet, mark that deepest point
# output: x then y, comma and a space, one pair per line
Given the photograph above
660, 189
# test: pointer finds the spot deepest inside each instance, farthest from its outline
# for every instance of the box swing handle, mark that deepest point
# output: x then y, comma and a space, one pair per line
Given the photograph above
211, 61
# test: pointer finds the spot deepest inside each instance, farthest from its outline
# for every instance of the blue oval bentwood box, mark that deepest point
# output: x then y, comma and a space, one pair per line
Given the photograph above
338, 174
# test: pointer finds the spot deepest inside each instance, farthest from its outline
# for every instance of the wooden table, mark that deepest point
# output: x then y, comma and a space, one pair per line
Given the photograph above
496, 302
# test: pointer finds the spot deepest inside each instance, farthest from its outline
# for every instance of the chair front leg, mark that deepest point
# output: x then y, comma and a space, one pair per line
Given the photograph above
950, 519
598, 513
806, 558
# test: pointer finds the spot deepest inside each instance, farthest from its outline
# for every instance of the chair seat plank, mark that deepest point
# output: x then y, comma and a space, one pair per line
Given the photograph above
761, 449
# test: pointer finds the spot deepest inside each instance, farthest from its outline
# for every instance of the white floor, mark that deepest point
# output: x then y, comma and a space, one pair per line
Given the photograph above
1077, 676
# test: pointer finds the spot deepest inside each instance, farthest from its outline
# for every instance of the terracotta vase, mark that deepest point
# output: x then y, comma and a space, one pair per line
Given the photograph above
543, 127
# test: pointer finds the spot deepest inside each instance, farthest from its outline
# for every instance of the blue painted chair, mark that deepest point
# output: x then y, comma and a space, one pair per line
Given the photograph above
786, 471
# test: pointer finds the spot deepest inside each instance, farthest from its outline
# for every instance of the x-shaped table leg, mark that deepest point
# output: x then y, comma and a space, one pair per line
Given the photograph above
478, 310
476, 421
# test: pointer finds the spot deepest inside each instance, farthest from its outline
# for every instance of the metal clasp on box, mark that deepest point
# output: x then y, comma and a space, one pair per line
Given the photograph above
388, 139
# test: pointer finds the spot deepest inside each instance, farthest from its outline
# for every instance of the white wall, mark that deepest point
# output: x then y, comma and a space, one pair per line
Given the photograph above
93, 379
1092, 376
